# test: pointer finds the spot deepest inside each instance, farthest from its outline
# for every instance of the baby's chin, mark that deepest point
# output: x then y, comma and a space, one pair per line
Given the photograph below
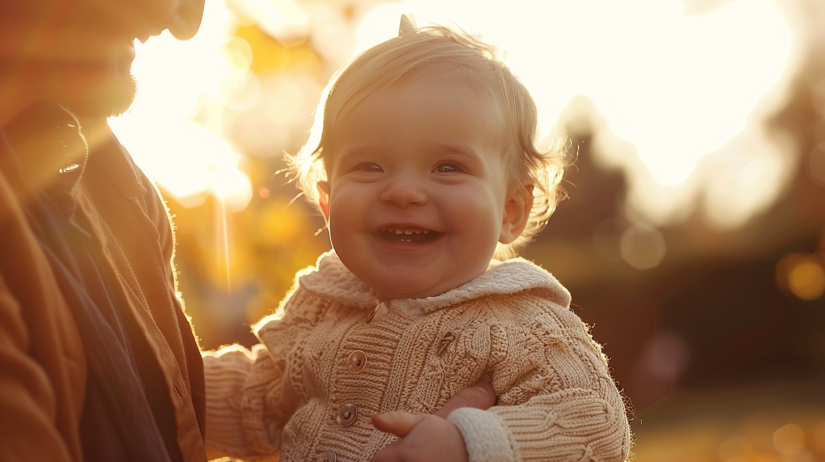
399, 288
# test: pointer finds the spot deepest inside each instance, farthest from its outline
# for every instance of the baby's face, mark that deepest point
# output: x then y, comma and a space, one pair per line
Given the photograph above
419, 193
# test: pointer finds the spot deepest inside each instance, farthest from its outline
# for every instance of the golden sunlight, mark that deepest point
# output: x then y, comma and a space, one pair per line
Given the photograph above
684, 92
181, 86
677, 102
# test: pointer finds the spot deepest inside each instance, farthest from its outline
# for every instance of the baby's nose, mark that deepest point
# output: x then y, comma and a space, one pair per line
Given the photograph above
404, 191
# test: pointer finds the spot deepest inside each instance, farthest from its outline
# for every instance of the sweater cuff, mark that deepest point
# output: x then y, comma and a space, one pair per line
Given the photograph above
225, 372
485, 435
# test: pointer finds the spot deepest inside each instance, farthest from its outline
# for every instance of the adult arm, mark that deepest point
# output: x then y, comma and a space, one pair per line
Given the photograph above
27, 402
42, 367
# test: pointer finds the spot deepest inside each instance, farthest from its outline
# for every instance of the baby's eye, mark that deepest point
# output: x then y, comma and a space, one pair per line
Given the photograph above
447, 167
368, 167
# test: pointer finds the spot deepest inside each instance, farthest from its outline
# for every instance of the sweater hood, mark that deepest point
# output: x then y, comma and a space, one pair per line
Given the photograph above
330, 279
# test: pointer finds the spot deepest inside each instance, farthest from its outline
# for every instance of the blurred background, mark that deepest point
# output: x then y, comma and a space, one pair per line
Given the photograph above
693, 239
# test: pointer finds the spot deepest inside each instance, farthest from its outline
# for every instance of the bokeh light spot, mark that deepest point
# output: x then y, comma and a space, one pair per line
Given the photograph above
807, 280
789, 439
231, 186
666, 357
238, 53
802, 274
643, 247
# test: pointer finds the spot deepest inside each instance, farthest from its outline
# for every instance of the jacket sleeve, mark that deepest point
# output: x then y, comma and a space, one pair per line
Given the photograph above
27, 401
249, 398
556, 399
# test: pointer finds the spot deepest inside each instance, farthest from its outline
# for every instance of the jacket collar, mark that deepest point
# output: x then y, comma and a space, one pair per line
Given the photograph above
43, 148
51, 149
109, 159
330, 279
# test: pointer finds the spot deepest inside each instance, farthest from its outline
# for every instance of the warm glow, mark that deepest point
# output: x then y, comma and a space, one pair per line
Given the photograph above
679, 102
173, 131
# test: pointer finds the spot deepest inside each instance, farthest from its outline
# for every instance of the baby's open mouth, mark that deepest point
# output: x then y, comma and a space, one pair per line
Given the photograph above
409, 235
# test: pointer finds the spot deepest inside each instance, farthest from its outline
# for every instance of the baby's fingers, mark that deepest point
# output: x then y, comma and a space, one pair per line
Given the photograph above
398, 423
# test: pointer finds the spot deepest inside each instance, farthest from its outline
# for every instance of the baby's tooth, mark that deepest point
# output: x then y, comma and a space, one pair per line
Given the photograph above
425, 232
408, 232
398, 231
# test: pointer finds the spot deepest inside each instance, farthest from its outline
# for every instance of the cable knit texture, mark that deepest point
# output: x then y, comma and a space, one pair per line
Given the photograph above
511, 325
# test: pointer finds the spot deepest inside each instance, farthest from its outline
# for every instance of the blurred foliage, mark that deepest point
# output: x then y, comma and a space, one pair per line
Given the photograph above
270, 56
235, 267
266, 244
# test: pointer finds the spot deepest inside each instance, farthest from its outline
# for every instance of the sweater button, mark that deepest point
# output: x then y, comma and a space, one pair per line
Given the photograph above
327, 457
357, 361
346, 415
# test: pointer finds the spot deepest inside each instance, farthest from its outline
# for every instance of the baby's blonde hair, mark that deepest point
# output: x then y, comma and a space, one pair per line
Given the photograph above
461, 57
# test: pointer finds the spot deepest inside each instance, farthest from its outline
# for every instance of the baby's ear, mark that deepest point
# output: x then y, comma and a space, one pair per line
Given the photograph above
516, 214
323, 198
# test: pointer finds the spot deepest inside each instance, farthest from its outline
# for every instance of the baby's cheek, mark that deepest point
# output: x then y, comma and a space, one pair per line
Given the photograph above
478, 226
483, 201
344, 217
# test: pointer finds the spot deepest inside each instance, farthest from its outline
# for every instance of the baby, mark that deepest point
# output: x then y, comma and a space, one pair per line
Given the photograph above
426, 164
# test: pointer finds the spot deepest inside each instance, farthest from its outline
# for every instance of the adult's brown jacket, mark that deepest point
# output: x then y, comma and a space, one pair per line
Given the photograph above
42, 362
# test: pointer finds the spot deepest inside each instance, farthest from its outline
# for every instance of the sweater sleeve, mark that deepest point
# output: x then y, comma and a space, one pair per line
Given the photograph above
226, 371
248, 395
557, 401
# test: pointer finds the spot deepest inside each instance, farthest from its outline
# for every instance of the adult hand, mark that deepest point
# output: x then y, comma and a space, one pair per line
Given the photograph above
431, 437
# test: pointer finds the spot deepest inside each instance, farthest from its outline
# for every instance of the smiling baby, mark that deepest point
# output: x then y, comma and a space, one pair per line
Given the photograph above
427, 168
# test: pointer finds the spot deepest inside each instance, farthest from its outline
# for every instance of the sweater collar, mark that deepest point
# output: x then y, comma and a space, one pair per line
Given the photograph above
330, 279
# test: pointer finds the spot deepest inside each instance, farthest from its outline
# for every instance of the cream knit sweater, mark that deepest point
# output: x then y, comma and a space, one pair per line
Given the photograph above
321, 370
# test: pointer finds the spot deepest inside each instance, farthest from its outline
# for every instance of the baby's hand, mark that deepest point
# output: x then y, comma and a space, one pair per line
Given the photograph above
424, 437
431, 437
